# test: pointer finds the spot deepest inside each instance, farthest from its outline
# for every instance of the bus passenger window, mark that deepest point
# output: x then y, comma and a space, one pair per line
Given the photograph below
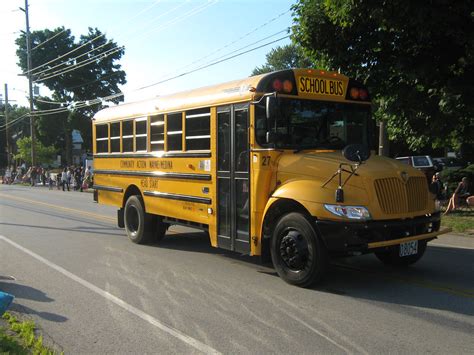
102, 138
141, 125
198, 135
174, 134
115, 137
127, 136
157, 133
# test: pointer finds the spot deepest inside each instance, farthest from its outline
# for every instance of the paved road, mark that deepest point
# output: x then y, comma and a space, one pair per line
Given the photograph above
93, 291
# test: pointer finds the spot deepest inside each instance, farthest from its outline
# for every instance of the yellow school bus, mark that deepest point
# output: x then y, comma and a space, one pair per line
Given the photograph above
276, 165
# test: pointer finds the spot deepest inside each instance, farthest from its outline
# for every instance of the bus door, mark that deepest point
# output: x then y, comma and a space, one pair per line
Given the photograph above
233, 183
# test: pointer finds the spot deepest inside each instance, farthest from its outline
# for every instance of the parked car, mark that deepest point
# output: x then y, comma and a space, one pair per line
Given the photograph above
420, 162
452, 163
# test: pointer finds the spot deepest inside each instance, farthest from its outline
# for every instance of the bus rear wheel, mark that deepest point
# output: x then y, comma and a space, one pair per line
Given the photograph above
392, 255
140, 226
298, 254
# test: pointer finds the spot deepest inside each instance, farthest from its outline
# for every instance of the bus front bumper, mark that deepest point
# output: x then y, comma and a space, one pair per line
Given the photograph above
350, 238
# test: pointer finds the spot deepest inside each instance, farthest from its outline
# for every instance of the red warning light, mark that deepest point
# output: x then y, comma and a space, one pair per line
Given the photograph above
277, 85
354, 93
363, 94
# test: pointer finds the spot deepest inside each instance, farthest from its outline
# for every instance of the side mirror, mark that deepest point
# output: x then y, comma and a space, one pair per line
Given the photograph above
271, 107
356, 153
271, 110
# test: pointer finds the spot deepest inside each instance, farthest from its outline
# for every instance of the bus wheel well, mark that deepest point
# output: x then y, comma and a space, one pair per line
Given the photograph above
274, 213
131, 191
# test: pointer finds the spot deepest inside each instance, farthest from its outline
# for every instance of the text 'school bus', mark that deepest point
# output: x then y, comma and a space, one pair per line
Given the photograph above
257, 164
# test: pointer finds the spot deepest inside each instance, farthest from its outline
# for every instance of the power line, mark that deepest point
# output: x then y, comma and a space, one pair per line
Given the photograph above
112, 51
82, 104
239, 39
90, 41
65, 54
49, 39
14, 122
213, 63
81, 64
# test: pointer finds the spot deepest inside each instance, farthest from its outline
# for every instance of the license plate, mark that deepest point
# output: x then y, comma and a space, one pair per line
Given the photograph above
409, 248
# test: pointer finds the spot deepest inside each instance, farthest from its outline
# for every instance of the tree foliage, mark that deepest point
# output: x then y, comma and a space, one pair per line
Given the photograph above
87, 69
19, 125
415, 56
45, 155
286, 57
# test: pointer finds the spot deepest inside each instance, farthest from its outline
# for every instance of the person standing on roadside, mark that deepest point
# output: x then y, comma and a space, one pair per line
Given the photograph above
43, 176
33, 175
64, 179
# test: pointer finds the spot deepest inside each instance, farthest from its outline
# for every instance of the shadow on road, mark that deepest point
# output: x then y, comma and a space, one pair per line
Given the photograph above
30, 293
442, 280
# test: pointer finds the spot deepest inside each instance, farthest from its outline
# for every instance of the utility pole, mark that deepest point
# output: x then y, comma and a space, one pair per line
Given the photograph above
30, 85
6, 126
383, 141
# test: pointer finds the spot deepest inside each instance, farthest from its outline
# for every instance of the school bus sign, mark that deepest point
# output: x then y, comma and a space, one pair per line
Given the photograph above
320, 86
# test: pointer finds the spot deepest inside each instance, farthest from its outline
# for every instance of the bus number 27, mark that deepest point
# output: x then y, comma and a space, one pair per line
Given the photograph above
266, 160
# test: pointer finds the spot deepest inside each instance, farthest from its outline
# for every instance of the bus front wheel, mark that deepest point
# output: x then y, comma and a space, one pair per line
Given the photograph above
298, 254
140, 226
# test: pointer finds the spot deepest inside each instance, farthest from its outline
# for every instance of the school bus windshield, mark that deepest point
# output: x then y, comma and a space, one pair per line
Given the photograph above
306, 124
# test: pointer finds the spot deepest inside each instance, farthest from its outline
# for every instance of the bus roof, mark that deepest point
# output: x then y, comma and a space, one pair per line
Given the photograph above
230, 92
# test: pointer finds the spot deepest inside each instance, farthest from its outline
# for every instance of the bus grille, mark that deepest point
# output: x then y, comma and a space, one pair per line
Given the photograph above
396, 197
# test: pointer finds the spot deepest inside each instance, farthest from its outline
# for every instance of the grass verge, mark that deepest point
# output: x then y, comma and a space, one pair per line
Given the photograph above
459, 221
19, 338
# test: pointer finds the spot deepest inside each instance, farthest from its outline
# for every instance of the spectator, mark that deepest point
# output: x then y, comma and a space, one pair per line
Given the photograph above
51, 179
65, 179
461, 192
436, 187
33, 174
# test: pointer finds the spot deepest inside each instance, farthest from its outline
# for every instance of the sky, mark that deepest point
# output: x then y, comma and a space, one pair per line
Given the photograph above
162, 38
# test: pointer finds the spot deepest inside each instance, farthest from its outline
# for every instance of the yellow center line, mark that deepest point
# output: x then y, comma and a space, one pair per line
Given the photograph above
466, 293
61, 208
67, 209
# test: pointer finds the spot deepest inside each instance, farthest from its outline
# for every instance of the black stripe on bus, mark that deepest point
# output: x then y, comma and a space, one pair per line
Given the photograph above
179, 197
151, 155
157, 174
107, 188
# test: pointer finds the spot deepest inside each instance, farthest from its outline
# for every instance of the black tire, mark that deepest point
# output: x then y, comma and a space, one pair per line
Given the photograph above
392, 255
140, 226
298, 255
160, 228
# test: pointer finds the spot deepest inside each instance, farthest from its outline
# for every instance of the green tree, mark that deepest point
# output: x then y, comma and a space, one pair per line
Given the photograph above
91, 71
45, 155
286, 57
415, 56
19, 126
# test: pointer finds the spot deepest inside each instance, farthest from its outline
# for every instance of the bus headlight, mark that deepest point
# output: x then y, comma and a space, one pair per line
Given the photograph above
351, 212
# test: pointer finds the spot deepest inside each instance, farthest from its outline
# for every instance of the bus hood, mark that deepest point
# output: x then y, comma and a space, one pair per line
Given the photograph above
389, 188
322, 165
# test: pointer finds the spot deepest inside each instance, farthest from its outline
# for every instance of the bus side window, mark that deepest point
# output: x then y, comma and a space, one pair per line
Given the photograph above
127, 136
198, 129
141, 135
102, 138
174, 131
157, 134
115, 137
